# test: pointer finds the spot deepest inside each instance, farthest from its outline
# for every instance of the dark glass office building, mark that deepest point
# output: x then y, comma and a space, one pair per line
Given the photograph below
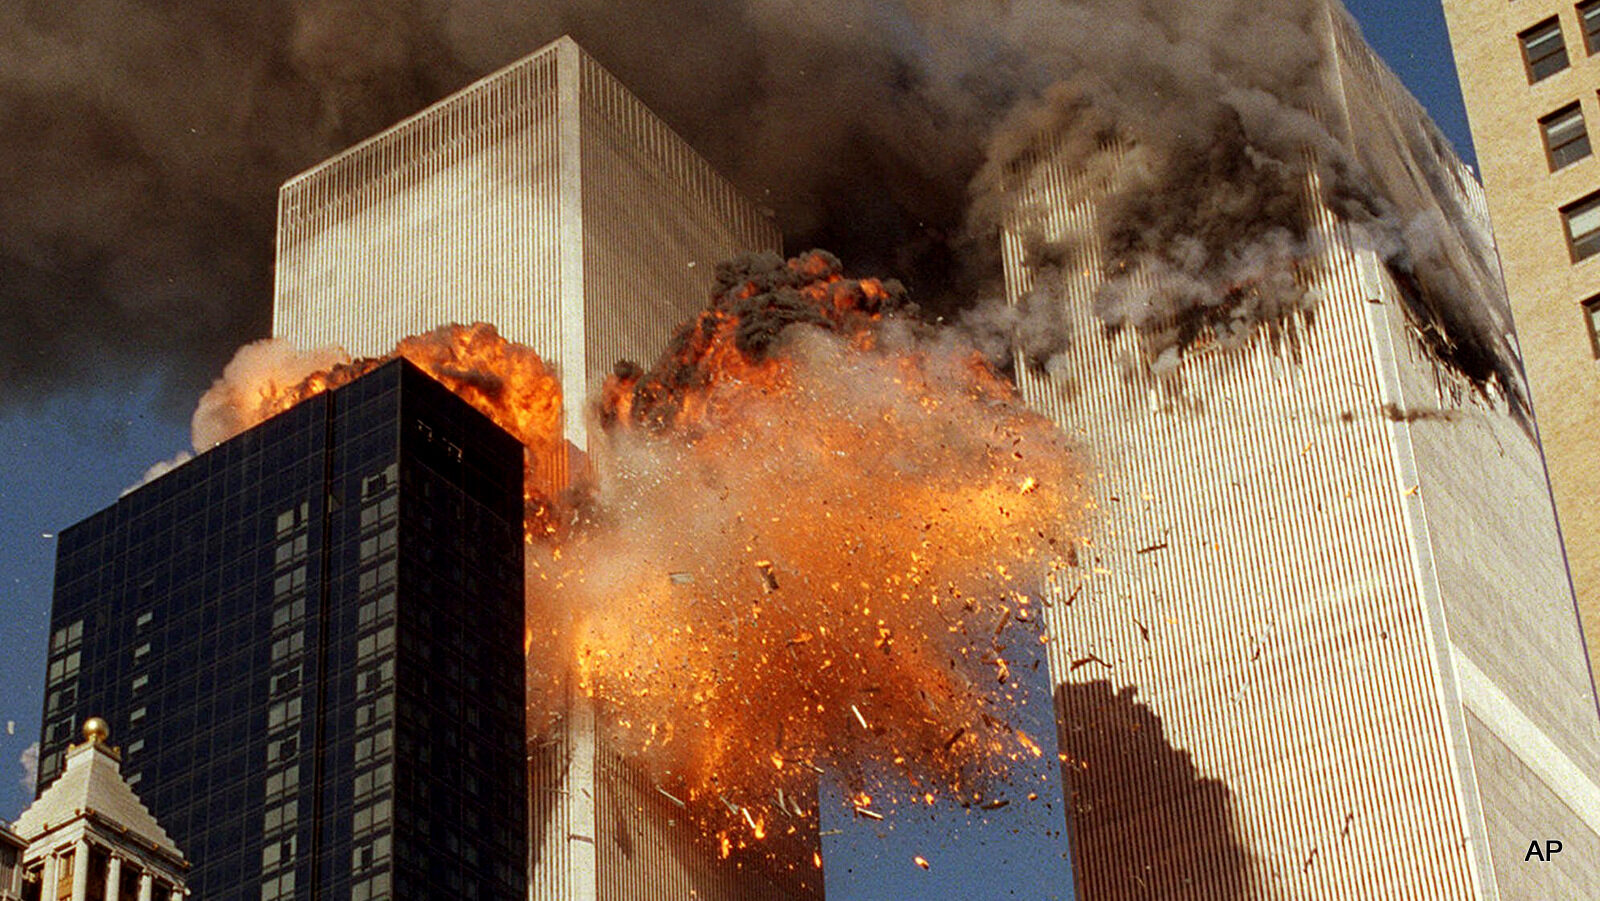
308, 642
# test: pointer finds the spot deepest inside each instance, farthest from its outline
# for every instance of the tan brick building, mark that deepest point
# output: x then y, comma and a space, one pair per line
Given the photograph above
1529, 73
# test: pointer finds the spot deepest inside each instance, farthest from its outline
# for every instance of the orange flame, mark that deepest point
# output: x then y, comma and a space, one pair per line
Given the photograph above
810, 516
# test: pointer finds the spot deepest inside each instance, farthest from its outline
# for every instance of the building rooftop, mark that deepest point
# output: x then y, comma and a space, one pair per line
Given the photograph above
92, 783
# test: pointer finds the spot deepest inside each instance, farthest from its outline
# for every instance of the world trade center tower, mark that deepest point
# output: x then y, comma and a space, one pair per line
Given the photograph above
1321, 642
546, 199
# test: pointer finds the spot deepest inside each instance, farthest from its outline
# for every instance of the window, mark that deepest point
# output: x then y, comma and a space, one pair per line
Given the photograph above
376, 712
377, 544
1591, 315
278, 887
66, 637
275, 855
282, 749
291, 549
286, 713
294, 580
1543, 50
284, 783
61, 699
1566, 139
378, 642
288, 646
289, 614
66, 667
1589, 21
284, 682
293, 518
1582, 221
373, 781
372, 611
278, 818
370, 818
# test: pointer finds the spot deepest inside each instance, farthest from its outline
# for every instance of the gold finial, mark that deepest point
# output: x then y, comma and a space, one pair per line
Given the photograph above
96, 729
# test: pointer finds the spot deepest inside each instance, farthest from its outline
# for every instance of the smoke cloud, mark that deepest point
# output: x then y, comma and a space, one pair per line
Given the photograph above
138, 174
30, 766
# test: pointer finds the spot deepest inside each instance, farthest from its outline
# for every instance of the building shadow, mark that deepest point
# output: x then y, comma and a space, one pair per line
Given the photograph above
1144, 823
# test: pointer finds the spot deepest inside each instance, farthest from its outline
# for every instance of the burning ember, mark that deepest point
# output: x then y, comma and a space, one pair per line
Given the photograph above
809, 535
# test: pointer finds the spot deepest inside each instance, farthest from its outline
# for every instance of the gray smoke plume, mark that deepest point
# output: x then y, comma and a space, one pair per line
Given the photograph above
144, 143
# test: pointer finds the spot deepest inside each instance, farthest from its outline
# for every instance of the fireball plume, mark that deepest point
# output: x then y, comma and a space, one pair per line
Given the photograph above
501, 379
807, 519
800, 531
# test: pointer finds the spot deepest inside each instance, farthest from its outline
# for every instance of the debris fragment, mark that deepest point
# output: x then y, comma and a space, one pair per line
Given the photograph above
1144, 631
681, 578
869, 814
921, 861
859, 718
671, 797
768, 580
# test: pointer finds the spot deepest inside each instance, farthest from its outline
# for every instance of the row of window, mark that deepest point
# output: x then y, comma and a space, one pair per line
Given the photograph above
1544, 49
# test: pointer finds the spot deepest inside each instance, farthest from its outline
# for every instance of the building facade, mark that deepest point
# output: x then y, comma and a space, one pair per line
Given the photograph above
1529, 76
310, 641
547, 199
544, 198
11, 848
1320, 640
89, 838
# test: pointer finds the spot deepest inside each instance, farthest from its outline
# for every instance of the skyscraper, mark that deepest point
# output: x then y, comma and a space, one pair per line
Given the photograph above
1528, 72
1321, 642
544, 198
547, 199
309, 639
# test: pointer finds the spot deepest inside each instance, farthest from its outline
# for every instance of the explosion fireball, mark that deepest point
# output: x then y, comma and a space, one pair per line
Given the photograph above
812, 535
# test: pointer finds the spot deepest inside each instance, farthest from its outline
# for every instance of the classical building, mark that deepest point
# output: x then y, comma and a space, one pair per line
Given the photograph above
310, 641
89, 838
11, 848
547, 199
1321, 641
1528, 75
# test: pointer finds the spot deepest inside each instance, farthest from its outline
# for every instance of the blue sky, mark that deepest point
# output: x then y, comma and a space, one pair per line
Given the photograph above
63, 457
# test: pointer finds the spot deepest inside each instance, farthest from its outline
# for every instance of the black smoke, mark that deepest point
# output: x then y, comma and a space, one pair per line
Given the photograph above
143, 143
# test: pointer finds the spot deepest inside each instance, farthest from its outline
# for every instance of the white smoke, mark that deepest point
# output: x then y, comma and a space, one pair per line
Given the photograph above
157, 470
30, 766
263, 369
